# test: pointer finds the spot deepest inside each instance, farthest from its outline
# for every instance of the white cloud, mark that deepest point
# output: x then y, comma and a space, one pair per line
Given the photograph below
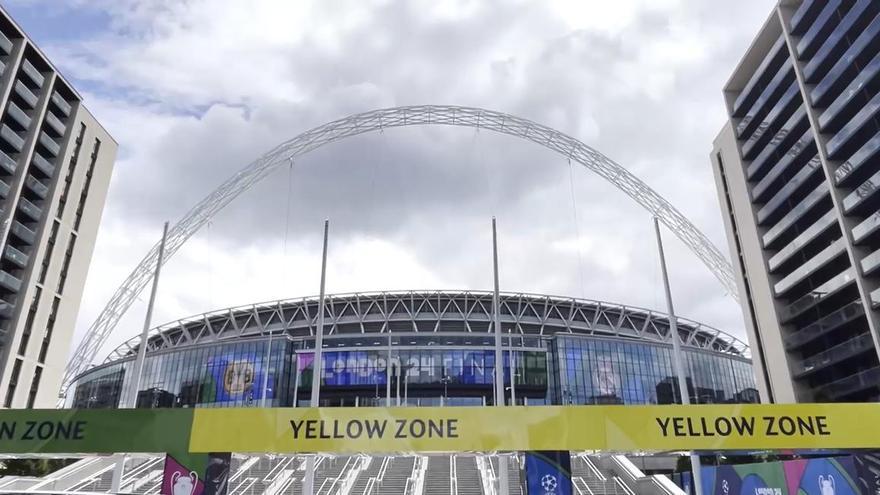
194, 90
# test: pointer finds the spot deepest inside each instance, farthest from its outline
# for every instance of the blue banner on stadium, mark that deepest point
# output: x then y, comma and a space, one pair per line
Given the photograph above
238, 377
548, 472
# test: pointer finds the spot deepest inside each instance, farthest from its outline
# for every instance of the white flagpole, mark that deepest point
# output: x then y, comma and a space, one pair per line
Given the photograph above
317, 365
499, 355
266, 369
142, 348
677, 356
131, 400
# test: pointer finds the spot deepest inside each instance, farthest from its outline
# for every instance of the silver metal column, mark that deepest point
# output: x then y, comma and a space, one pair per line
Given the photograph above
677, 356
266, 370
142, 348
499, 355
317, 365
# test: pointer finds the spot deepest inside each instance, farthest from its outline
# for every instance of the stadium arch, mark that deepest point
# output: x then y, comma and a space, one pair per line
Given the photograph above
377, 120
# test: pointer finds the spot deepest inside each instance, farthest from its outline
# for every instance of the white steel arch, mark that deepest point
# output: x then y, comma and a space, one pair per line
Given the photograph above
503, 123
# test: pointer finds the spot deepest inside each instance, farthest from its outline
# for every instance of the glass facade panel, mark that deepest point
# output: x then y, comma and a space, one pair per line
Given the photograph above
564, 369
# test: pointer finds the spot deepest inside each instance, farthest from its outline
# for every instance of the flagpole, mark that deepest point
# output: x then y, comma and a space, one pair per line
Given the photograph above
131, 400
142, 348
677, 354
317, 365
499, 356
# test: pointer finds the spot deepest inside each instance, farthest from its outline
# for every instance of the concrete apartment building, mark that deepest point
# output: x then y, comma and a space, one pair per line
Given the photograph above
797, 167
55, 167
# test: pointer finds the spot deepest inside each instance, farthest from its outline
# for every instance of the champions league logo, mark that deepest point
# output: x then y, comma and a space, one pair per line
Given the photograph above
549, 484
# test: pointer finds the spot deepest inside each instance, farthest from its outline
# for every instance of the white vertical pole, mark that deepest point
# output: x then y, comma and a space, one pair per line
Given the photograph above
499, 369
388, 373
142, 348
296, 382
397, 382
119, 468
317, 365
266, 370
496, 310
513, 370
676, 353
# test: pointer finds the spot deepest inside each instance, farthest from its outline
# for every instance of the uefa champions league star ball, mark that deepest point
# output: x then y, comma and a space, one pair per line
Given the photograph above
548, 483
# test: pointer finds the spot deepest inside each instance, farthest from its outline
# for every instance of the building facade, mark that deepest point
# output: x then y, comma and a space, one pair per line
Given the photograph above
797, 171
421, 349
55, 167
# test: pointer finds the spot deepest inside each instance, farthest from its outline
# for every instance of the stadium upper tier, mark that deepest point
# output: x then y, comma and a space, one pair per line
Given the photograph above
431, 311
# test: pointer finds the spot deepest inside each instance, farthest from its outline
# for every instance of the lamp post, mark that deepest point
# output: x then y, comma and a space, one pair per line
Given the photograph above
445, 381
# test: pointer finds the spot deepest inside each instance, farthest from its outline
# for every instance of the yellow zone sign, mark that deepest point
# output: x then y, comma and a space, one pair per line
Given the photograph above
608, 428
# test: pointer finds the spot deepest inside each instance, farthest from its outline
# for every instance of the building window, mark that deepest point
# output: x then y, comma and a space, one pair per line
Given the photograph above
29, 322
50, 326
35, 384
68, 178
13, 381
47, 255
68, 254
85, 190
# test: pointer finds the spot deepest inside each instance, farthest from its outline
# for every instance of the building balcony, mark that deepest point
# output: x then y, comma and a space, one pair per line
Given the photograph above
847, 103
780, 83
6, 309
817, 295
31, 210
32, 73
834, 355
827, 221
852, 384
61, 103
7, 164
18, 115
795, 214
824, 325
25, 234
55, 123
866, 154
810, 267
859, 52
4, 189
15, 256
9, 282
26, 94
11, 137
775, 56
43, 164
5, 44
50, 144
836, 42
812, 39
806, 175
36, 186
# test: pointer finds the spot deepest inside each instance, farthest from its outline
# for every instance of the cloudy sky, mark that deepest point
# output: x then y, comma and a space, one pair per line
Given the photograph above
194, 90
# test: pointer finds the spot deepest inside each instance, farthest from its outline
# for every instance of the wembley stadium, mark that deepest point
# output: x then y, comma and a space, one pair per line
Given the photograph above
421, 349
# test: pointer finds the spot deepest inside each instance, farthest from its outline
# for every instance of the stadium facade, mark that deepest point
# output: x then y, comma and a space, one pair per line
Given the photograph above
421, 348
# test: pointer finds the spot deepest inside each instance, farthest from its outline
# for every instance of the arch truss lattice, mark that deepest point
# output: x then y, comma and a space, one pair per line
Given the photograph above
376, 120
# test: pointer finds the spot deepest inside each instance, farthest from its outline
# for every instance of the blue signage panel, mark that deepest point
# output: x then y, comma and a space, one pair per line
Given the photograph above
548, 472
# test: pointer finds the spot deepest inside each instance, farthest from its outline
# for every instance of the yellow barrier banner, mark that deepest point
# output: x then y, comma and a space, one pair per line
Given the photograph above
607, 428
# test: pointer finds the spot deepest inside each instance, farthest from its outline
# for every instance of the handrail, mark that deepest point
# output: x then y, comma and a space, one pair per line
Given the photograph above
453, 476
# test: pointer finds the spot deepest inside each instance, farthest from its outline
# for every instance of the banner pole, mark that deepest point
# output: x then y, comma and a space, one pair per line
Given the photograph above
296, 380
145, 334
499, 356
388, 373
266, 370
677, 354
317, 365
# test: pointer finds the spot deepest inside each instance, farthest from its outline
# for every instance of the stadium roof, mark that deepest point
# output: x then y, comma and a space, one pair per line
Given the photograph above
431, 311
